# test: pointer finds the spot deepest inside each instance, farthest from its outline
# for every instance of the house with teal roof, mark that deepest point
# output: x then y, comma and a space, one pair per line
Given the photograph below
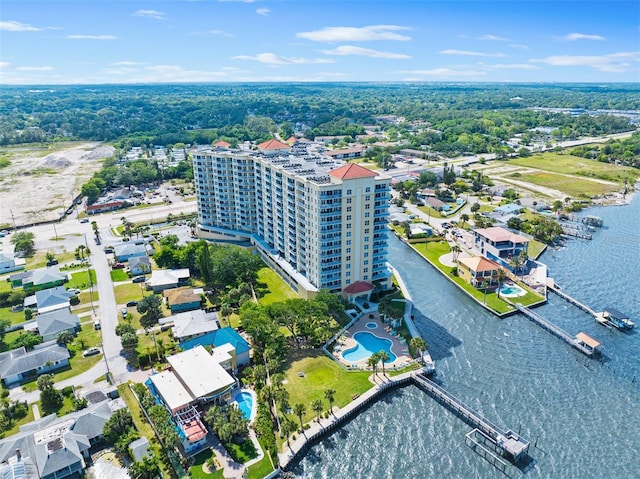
220, 337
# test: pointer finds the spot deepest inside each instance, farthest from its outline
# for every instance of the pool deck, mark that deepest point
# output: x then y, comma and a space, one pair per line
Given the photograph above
382, 330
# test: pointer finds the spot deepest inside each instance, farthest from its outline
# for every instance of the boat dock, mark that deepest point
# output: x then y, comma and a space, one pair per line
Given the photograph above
582, 342
551, 286
508, 444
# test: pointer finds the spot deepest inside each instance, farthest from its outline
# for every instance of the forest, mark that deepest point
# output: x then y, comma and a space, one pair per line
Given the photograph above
459, 117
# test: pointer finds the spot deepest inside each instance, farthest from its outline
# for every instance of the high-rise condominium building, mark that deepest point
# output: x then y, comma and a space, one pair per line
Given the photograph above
320, 223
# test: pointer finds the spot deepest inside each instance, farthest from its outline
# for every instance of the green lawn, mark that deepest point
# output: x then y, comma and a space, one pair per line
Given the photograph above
535, 248
39, 260
129, 292
320, 374
574, 165
119, 275
80, 279
242, 452
262, 468
88, 296
15, 426
272, 288
5, 284
431, 211
571, 186
6, 313
196, 471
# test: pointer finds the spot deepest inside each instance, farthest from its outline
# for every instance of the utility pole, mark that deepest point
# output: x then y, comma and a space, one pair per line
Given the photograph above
14, 220
89, 275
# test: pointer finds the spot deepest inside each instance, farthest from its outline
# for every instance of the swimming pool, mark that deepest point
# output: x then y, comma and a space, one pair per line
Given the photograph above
368, 344
371, 325
244, 400
512, 291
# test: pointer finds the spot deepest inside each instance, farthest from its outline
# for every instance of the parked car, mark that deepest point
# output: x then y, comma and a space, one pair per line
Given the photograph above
90, 352
132, 303
74, 291
52, 262
118, 266
138, 279
96, 324
84, 220
124, 313
108, 249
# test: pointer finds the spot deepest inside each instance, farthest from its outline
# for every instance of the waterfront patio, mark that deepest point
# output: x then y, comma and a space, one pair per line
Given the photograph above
382, 330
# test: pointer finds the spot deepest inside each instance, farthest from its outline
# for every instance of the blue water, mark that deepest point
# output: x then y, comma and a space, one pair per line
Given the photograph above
245, 403
583, 415
368, 344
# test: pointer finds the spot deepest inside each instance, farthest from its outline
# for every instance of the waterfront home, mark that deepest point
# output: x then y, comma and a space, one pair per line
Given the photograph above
183, 299
192, 324
139, 265
51, 324
55, 447
220, 338
20, 365
194, 380
478, 271
162, 279
499, 244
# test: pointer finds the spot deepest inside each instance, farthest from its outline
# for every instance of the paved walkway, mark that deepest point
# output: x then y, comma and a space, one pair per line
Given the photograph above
232, 469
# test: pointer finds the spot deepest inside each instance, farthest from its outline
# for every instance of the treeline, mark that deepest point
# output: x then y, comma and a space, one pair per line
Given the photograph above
623, 152
169, 114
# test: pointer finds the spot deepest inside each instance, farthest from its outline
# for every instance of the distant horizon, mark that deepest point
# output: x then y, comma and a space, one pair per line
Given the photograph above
103, 42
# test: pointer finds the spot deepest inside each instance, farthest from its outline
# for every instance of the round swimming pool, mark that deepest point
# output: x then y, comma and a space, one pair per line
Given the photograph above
371, 325
512, 291
368, 344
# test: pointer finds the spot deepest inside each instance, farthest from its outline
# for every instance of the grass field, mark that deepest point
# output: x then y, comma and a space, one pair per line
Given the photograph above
129, 292
39, 260
319, 374
262, 468
278, 290
196, 471
571, 186
6, 313
574, 165
80, 279
118, 275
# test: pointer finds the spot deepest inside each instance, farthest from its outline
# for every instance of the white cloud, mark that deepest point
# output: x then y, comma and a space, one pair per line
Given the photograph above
13, 26
150, 14
92, 37
34, 69
613, 62
509, 66
582, 36
236, 1
127, 63
447, 73
263, 11
366, 52
273, 59
355, 34
163, 74
493, 38
221, 33
5, 64
469, 53
518, 45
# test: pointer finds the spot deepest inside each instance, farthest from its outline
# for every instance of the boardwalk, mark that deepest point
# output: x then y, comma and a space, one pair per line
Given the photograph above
575, 302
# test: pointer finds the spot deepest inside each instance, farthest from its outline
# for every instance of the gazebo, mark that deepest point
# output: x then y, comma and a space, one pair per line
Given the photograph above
357, 290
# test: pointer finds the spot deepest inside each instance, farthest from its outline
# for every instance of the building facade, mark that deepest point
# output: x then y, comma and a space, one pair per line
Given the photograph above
320, 223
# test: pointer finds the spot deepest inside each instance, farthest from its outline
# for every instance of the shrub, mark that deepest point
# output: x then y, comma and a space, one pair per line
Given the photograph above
67, 391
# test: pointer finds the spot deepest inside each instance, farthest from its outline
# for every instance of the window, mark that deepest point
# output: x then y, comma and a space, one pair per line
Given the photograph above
348, 242
366, 255
367, 198
348, 250
366, 270
366, 215
349, 192
348, 209
366, 231
367, 206
367, 189
348, 217
348, 234
366, 262
348, 273
348, 200
366, 223
348, 226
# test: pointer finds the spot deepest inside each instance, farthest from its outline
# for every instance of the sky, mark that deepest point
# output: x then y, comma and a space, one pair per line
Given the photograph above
175, 41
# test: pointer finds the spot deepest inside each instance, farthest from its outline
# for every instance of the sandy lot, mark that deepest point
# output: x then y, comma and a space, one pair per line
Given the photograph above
40, 183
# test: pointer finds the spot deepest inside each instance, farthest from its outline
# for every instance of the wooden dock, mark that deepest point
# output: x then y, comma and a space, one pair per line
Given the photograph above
556, 331
507, 443
571, 300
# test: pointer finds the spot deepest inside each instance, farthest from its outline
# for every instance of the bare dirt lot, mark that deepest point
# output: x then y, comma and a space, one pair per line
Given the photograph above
41, 182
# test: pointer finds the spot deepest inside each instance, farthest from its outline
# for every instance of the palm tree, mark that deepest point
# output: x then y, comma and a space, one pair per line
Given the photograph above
317, 407
484, 285
501, 275
299, 410
464, 217
419, 345
524, 258
455, 250
225, 311
383, 356
286, 427
514, 262
330, 395
372, 362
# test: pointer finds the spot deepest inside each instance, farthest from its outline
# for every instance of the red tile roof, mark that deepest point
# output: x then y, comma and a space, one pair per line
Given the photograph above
352, 171
291, 140
479, 264
273, 145
358, 287
222, 143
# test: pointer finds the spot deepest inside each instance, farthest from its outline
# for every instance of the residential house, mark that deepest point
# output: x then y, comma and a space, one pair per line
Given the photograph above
20, 365
499, 244
478, 271
162, 279
49, 300
193, 380
9, 264
508, 209
37, 279
55, 447
220, 337
103, 207
183, 299
125, 251
51, 324
139, 265
192, 324
139, 448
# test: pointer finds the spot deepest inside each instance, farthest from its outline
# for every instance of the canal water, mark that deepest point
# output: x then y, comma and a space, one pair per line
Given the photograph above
581, 416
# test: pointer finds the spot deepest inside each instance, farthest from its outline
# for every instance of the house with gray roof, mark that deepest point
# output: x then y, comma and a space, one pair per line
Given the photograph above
19, 364
49, 300
8, 263
162, 279
191, 324
125, 251
55, 448
51, 324
139, 448
42, 278
139, 265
